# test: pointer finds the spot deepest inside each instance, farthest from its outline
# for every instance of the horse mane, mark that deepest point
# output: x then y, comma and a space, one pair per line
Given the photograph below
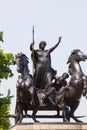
72, 53
19, 55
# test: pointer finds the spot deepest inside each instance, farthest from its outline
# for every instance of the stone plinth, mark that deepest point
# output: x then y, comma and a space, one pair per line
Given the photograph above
50, 126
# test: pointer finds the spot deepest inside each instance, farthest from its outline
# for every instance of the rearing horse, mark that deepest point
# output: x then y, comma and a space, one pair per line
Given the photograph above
25, 87
71, 94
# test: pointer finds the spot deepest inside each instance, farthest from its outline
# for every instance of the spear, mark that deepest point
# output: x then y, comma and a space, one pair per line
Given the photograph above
33, 34
33, 50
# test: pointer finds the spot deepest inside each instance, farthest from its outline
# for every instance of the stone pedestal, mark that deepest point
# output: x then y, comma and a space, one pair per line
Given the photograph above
50, 126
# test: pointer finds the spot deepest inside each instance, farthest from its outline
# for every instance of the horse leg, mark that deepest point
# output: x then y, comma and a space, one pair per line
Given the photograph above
19, 118
65, 113
65, 110
34, 115
73, 108
19, 113
60, 101
58, 112
31, 91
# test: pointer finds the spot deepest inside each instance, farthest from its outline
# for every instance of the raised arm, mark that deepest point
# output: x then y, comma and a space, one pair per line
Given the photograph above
51, 49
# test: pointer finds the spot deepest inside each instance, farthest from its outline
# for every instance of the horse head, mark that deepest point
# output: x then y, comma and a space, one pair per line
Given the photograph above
21, 62
77, 55
74, 59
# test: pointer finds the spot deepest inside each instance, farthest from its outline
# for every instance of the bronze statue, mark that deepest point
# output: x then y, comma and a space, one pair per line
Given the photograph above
60, 81
25, 79
70, 95
26, 96
39, 92
44, 73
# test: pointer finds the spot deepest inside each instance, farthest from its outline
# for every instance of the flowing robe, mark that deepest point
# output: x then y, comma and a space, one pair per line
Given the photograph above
43, 70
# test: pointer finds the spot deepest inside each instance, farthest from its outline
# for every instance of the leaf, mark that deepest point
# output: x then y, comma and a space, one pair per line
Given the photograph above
1, 37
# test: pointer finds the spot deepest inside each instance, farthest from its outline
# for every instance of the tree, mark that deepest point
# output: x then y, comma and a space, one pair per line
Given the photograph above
6, 59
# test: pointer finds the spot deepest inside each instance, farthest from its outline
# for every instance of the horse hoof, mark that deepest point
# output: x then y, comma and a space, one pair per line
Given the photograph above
37, 121
66, 121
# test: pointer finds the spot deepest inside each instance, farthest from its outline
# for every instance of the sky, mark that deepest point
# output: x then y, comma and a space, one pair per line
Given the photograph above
51, 19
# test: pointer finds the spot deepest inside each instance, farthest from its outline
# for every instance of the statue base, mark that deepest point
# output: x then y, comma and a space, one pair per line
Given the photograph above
50, 126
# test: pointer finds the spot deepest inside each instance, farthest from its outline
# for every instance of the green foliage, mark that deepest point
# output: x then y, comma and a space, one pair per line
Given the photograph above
6, 59
1, 36
4, 111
